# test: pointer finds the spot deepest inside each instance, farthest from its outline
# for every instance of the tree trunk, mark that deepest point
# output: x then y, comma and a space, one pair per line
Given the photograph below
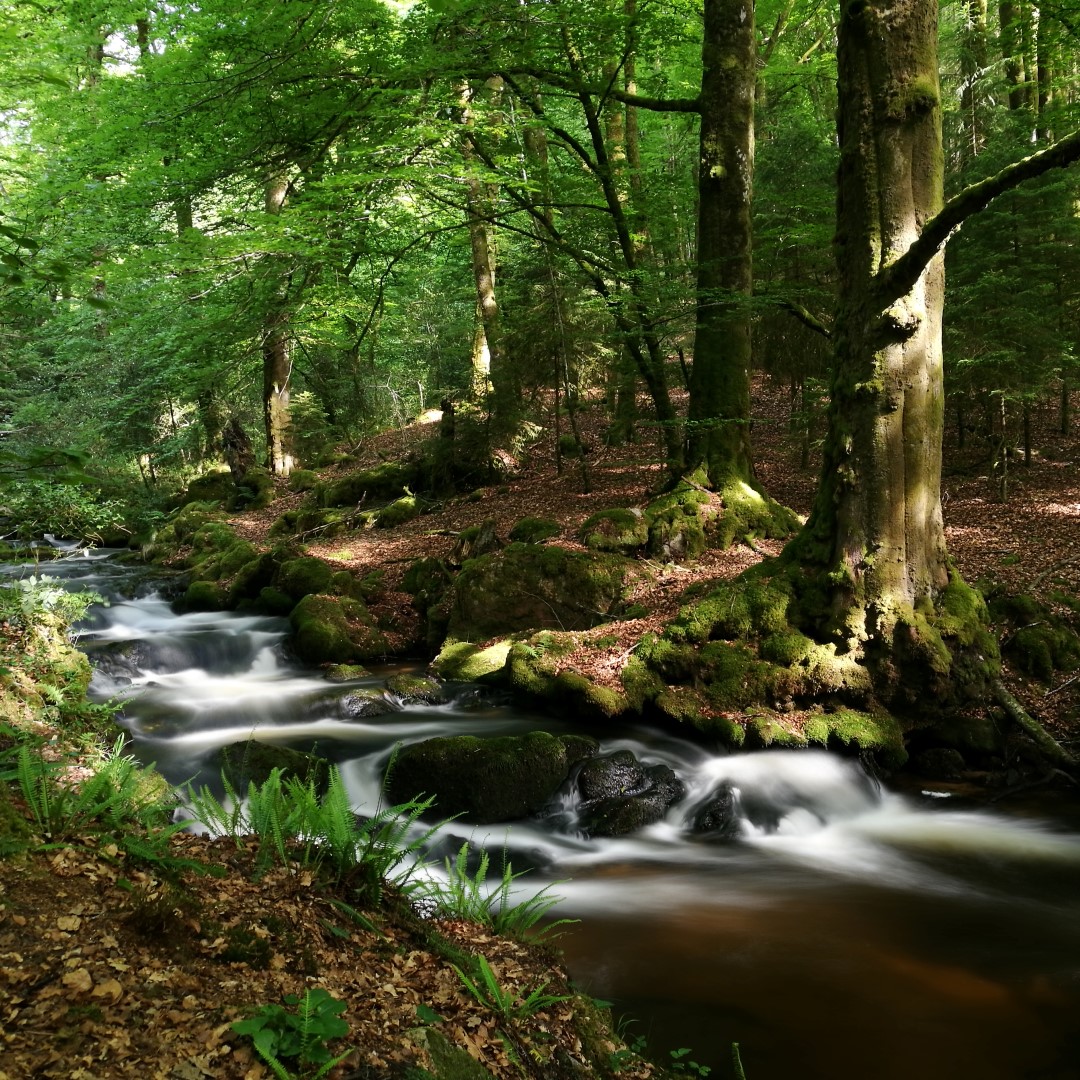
876, 525
277, 354
719, 409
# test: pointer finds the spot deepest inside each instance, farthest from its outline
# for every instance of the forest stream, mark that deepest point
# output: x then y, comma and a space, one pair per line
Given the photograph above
849, 931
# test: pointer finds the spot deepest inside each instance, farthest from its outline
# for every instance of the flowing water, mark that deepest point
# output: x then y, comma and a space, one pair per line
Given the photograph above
848, 932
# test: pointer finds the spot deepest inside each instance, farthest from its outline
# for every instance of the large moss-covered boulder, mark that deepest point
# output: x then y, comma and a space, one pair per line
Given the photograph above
251, 578
255, 490
624, 531
530, 587
379, 485
211, 487
504, 778
300, 577
335, 630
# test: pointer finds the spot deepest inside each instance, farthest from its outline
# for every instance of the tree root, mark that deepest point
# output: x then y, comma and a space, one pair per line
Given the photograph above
1016, 712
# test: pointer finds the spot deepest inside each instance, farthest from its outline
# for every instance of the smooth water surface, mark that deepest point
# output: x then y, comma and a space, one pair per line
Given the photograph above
848, 931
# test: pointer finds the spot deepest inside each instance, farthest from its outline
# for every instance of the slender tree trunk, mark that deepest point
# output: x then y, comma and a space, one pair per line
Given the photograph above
719, 409
277, 355
479, 207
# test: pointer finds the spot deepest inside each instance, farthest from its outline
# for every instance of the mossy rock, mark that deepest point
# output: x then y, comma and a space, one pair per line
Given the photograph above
303, 480
624, 531
427, 578
417, 690
346, 583
253, 577
255, 491
302, 576
465, 662
204, 596
212, 487
534, 530
534, 666
398, 512
381, 484
335, 630
213, 536
504, 778
253, 761
183, 525
235, 558
274, 601
528, 587
1041, 642
363, 704
448, 1062
345, 672
676, 523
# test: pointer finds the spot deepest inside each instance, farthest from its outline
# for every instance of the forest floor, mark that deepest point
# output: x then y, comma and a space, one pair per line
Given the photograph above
1026, 544
109, 969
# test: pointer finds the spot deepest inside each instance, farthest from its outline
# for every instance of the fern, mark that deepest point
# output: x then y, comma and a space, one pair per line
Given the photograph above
465, 895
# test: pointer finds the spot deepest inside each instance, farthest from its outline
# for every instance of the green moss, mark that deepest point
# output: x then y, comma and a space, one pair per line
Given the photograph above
534, 530
255, 490
466, 662
300, 577
527, 587
345, 672
303, 480
879, 733
398, 512
773, 730
204, 596
587, 698
213, 536
383, 483
187, 520
212, 487
274, 601
252, 577
625, 531
641, 684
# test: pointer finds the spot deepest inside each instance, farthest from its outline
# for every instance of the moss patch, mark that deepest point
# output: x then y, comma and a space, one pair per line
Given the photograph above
624, 531
461, 660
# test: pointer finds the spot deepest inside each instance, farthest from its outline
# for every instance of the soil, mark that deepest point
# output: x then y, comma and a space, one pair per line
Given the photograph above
110, 969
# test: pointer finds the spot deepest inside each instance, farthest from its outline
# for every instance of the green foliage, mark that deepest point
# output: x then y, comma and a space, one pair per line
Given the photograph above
293, 824
298, 1036
682, 1063
465, 895
29, 601
485, 987
116, 800
36, 507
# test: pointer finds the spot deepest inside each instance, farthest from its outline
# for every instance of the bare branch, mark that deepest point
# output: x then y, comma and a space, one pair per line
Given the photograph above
898, 279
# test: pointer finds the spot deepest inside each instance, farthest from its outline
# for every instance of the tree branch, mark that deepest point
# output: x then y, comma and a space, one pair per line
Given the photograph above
805, 317
896, 280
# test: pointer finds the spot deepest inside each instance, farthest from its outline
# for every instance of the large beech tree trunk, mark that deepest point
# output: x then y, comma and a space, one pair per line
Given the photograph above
872, 560
878, 512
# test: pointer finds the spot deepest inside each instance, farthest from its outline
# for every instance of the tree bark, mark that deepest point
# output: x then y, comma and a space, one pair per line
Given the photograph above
876, 524
276, 353
719, 410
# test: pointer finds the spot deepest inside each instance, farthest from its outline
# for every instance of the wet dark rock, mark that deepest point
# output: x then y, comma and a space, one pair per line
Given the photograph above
623, 796
939, 763
610, 776
717, 818
361, 704
504, 778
